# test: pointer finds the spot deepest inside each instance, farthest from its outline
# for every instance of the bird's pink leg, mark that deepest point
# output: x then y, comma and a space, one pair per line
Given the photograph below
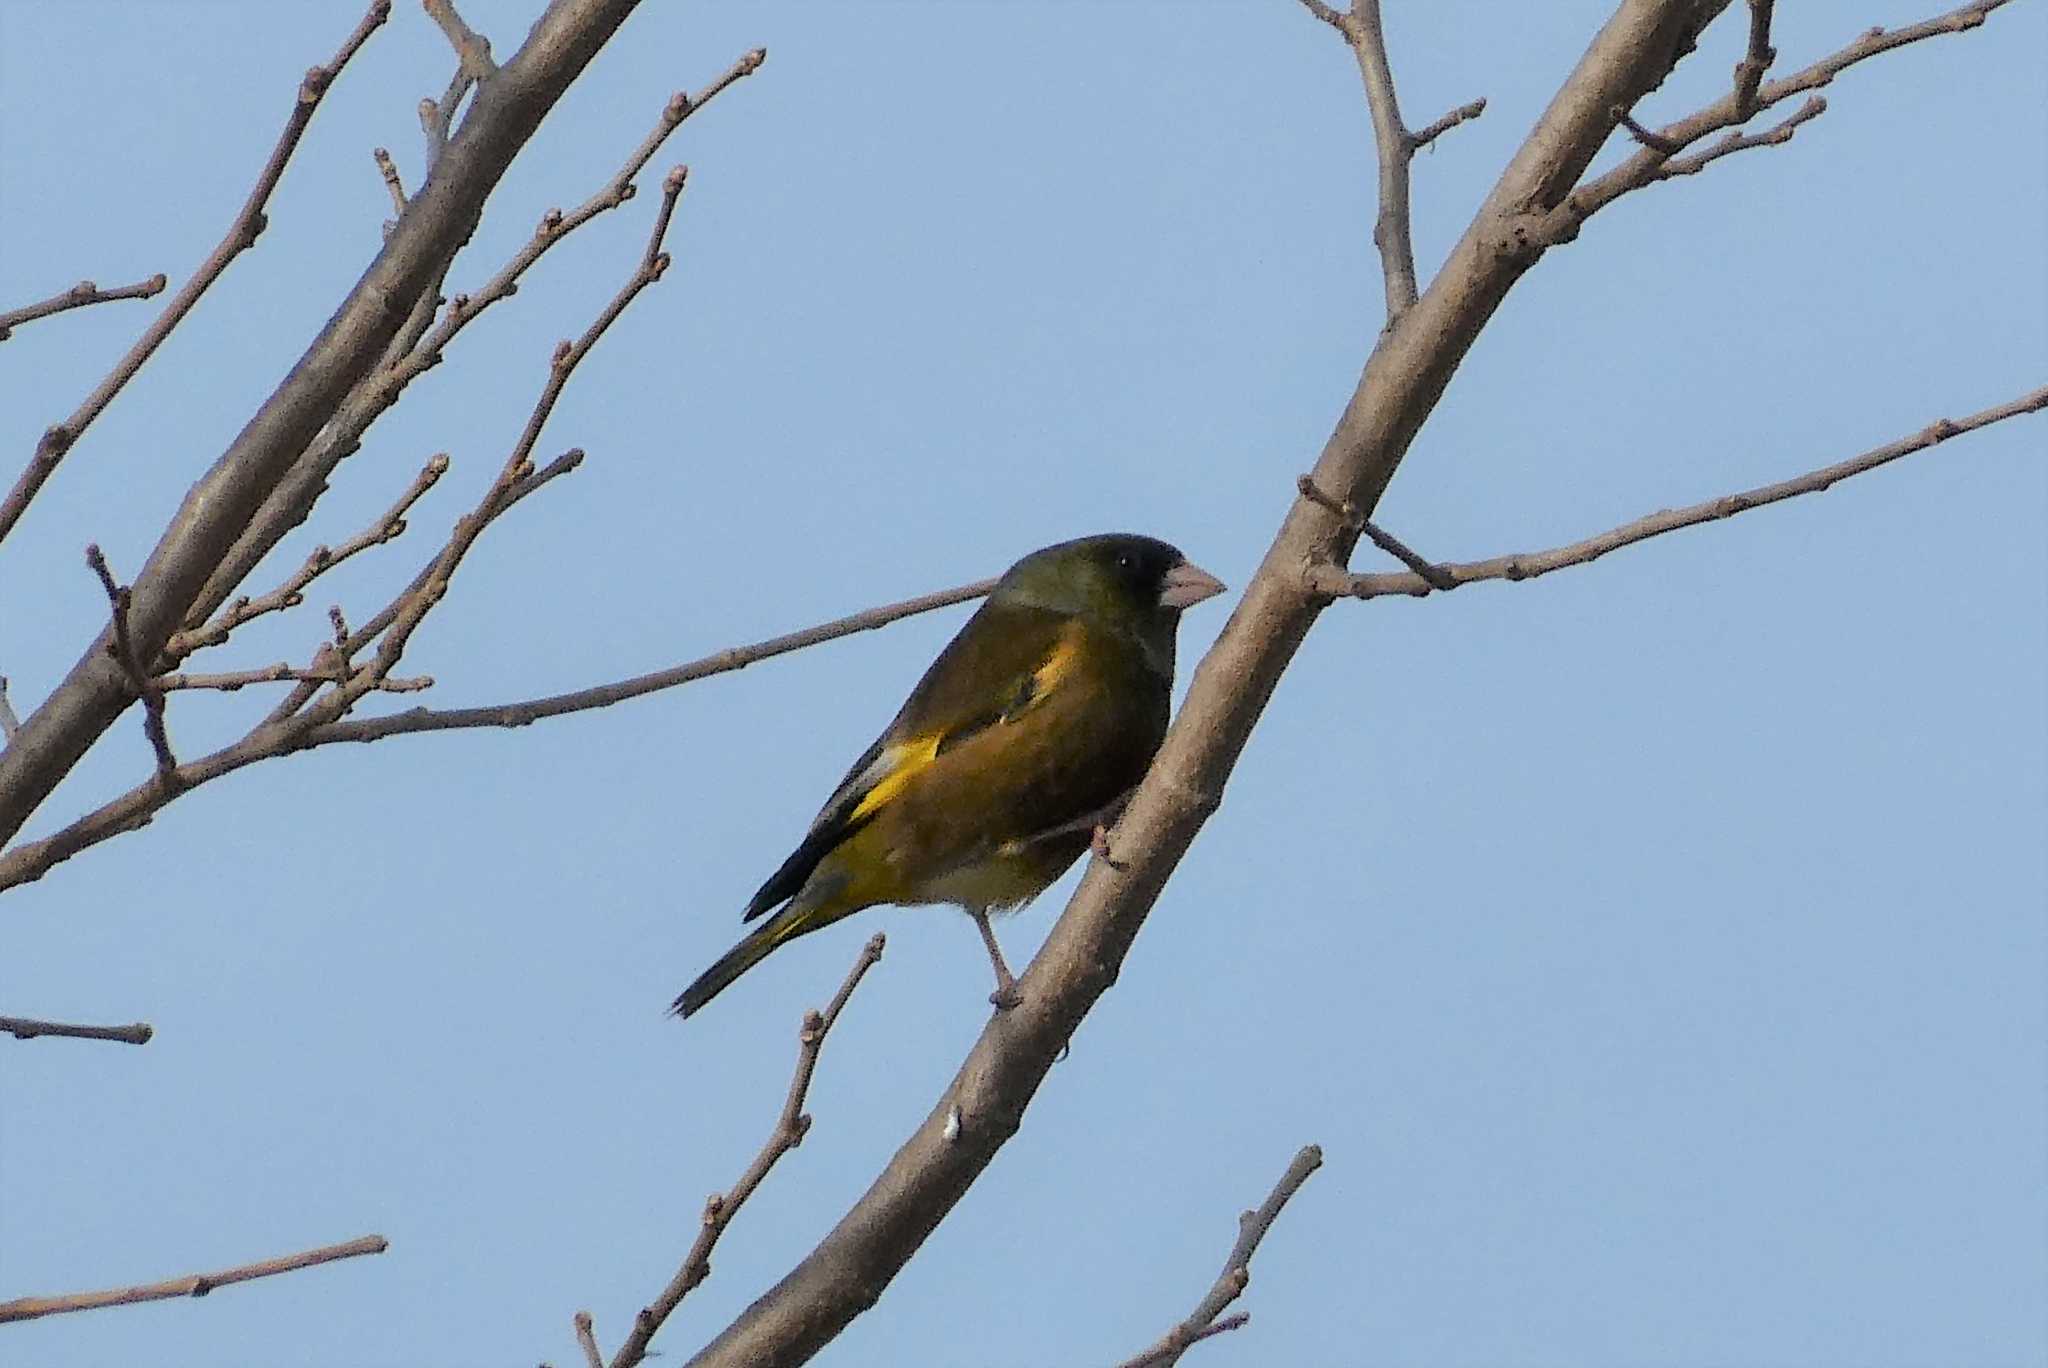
1005, 996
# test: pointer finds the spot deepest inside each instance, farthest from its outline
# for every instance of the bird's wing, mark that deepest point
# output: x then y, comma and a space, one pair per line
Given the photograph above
1004, 663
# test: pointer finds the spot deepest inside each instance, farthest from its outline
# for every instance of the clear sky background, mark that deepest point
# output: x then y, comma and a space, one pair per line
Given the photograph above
1656, 949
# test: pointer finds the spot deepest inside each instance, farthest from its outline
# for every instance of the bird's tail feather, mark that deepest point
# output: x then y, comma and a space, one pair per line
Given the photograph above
807, 912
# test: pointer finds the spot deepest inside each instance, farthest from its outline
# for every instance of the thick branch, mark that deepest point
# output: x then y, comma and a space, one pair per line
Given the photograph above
984, 1104
241, 235
790, 1128
192, 1285
1230, 1284
77, 297
28, 1028
220, 506
1335, 582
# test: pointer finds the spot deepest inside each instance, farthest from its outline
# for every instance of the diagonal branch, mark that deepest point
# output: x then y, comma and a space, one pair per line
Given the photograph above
79, 296
220, 506
248, 222
1335, 582
790, 1128
191, 1285
1230, 1284
28, 1028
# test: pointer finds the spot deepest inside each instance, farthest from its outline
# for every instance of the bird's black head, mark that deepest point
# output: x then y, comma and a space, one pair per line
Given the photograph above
1132, 584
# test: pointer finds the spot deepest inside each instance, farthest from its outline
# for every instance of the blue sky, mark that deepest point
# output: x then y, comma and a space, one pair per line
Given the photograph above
1656, 950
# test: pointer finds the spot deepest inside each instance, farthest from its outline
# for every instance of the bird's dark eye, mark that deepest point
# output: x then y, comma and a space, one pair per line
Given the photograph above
1126, 561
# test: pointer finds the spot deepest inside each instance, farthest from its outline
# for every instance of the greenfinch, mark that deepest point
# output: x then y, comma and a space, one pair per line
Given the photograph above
1017, 747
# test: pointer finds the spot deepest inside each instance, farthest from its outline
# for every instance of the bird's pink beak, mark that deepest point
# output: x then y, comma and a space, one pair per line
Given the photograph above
1188, 584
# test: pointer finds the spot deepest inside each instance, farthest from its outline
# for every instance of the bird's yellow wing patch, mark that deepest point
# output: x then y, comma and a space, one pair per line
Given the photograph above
899, 764
894, 768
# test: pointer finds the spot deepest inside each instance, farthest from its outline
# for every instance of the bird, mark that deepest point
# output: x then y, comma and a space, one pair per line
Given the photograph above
1012, 755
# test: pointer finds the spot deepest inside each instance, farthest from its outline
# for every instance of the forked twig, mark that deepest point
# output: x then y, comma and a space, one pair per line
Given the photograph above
1230, 1284
790, 1128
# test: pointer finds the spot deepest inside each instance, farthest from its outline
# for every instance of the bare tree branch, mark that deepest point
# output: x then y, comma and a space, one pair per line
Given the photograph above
289, 724
192, 1285
387, 169
1464, 113
219, 507
1749, 72
1780, 132
531, 710
293, 500
9, 723
119, 597
1335, 582
472, 49
31, 860
284, 672
586, 1340
1230, 1284
291, 593
1562, 223
790, 1128
77, 297
1360, 26
28, 1028
984, 1104
248, 222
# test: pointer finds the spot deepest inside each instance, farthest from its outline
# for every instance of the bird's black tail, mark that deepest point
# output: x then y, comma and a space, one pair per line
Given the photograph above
816, 906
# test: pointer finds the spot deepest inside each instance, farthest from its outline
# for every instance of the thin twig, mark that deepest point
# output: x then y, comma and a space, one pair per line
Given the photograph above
123, 648
1647, 166
1391, 233
192, 1285
30, 860
28, 1028
527, 711
1237, 1269
1337, 583
229, 681
1749, 72
789, 1131
411, 608
424, 348
1464, 113
388, 169
586, 1339
9, 723
1815, 106
291, 593
77, 297
472, 49
248, 222
1655, 142
473, 66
